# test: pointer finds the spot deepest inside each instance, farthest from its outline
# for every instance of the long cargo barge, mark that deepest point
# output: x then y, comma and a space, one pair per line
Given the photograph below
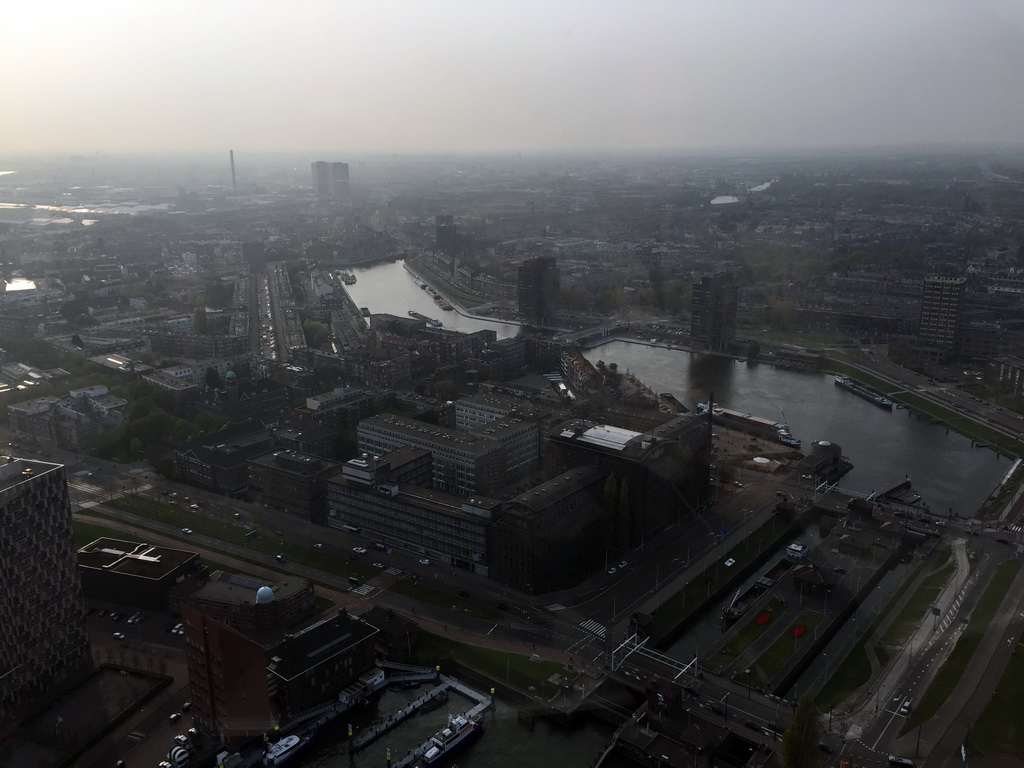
861, 391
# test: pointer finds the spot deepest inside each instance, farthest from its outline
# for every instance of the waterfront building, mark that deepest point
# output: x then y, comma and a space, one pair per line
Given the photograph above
537, 290
44, 646
713, 312
657, 476
249, 677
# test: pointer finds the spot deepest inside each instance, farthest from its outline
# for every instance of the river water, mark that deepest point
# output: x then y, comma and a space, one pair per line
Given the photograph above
884, 446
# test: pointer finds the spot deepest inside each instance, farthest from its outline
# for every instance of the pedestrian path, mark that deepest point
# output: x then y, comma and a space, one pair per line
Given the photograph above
365, 590
593, 627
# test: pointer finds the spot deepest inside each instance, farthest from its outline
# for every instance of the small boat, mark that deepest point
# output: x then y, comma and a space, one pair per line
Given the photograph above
453, 736
284, 750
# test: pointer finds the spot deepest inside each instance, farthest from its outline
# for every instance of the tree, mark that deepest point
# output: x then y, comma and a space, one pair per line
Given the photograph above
800, 741
77, 340
212, 378
199, 320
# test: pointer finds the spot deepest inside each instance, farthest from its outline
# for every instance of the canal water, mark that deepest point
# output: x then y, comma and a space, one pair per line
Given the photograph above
884, 446
505, 742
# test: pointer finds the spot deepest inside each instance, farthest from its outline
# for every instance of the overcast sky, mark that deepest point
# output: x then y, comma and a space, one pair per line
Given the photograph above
491, 75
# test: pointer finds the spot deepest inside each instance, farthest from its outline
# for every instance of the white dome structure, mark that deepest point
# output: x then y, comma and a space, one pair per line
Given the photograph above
264, 595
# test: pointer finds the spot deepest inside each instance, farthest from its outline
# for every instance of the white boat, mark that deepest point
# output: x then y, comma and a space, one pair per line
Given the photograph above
284, 750
450, 738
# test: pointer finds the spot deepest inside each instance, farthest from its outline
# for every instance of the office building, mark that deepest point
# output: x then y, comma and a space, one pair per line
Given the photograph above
537, 290
463, 463
292, 482
550, 533
44, 645
942, 302
388, 499
330, 181
713, 312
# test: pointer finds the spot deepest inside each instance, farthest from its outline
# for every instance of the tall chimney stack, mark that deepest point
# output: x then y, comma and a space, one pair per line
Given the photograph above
234, 184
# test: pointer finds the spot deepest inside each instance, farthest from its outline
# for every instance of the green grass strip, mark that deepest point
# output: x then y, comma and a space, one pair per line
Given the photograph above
918, 605
769, 663
512, 668
944, 684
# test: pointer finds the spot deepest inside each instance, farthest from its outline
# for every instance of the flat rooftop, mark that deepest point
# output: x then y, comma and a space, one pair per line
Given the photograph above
133, 558
237, 589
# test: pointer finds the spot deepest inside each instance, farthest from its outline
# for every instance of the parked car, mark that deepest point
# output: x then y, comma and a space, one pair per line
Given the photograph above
187, 531
359, 550
119, 636
424, 561
174, 717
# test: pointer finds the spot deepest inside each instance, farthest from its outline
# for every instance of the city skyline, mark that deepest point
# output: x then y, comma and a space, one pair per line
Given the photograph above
497, 77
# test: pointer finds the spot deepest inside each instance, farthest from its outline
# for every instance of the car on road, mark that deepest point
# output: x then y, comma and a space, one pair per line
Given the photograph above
318, 545
622, 564
612, 570
116, 617
379, 565
119, 636
187, 531
737, 483
280, 558
186, 706
359, 550
424, 561
174, 717
181, 739
193, 506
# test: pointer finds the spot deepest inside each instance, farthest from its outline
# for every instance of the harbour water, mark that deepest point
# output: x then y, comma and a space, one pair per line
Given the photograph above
505, 742
884, 446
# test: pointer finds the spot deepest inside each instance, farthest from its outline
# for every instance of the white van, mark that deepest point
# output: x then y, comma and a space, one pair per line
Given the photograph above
901, 762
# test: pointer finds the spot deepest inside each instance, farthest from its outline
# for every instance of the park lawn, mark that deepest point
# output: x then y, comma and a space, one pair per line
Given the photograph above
943, 686
768, 664
86, 532
745, 637
425, 594
918, 604
998, 730
697, 591
517, 670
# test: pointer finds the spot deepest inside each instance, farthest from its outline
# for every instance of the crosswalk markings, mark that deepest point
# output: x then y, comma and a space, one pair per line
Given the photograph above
593, 627
364, 589
393, 571
554, 607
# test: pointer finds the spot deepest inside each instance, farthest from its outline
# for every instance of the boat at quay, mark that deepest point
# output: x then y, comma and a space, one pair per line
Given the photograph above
753, 425
861, 391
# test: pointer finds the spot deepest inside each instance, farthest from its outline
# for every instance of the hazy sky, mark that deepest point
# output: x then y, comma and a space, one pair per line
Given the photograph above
479, 75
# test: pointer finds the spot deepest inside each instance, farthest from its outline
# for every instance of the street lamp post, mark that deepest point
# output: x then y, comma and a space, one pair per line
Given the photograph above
748, 683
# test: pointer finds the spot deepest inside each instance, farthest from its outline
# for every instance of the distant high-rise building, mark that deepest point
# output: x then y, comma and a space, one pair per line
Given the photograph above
538, 289
713, 312
44, 642
446, 235
942, 303
330, 181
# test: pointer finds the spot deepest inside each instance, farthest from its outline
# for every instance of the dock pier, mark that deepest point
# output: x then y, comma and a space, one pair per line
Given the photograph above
483, 701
